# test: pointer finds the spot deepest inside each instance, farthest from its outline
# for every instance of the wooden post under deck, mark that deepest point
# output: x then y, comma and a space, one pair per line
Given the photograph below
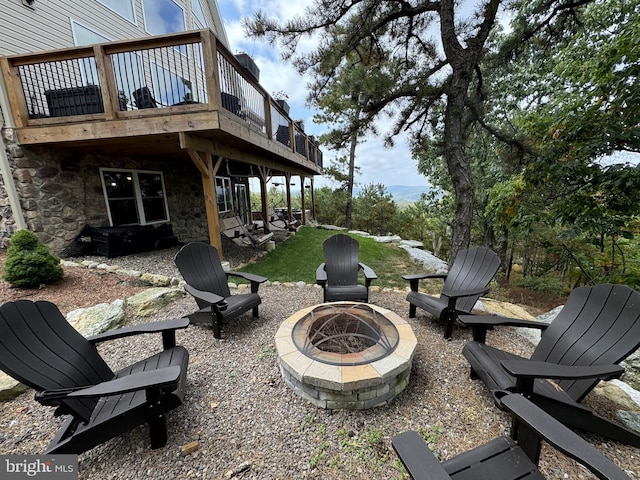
264, 175
303, 218
287, 184
204, 163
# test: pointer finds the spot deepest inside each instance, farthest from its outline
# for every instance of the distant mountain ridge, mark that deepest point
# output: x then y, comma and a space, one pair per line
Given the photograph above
403, 193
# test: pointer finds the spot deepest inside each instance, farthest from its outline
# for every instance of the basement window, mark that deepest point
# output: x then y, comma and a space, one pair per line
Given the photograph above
134, 197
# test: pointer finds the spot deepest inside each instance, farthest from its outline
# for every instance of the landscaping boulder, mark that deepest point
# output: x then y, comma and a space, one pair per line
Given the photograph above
150, 301
632, 370
10, 388
97, 319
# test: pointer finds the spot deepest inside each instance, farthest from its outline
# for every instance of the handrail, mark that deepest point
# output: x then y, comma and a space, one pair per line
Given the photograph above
190, 70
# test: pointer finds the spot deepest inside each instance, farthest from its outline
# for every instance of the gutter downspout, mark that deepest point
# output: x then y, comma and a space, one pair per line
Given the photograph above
5, 169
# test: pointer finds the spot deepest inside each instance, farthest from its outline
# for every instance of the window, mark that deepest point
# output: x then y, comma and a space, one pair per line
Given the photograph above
223, 193
127, 66
163, 16
134, 197
124, 8
198, 13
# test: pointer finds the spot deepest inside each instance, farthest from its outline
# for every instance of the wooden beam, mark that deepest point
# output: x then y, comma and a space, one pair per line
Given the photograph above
287, 184
264, 173
302, 204
204, 161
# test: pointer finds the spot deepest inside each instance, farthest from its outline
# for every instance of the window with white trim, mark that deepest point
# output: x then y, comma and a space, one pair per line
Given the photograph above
134, 197
163, 16
224, 194
124, 8
198, 12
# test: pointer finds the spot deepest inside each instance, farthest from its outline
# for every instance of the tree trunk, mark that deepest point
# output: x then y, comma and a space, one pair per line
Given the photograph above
350, 181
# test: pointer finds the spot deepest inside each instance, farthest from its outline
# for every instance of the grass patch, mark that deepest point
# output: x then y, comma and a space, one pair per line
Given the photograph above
297, 259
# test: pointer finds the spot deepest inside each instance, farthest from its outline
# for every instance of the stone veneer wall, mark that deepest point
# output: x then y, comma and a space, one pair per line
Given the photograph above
60, 192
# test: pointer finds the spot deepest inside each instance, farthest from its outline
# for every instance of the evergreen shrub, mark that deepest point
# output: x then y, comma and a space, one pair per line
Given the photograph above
29, 262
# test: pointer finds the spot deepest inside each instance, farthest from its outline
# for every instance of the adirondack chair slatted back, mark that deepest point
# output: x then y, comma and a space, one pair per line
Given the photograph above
39, 348
598, 325
201, 268
471, 269
341, 260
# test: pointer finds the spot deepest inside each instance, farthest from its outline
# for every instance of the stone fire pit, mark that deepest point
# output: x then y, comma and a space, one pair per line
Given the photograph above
346, 355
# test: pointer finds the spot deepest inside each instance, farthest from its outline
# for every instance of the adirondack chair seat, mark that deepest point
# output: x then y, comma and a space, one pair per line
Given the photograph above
440, 307
355, 293
500, 370
206, 280
118, 413
467, 280
597, 328
513, 457
39, 348
228, 307
338, 274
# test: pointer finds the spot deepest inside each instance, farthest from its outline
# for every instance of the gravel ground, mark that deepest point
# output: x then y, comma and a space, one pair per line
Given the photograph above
250, 425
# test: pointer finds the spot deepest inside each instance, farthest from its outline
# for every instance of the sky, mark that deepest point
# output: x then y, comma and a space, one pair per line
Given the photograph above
377, 163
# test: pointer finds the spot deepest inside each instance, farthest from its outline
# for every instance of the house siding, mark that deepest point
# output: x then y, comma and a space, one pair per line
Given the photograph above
47, 26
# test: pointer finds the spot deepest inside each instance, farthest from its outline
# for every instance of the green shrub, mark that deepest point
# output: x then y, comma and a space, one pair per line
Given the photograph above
540, 284
29, 263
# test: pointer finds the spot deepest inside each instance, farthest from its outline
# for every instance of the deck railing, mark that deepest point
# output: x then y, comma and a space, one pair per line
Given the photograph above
118, 79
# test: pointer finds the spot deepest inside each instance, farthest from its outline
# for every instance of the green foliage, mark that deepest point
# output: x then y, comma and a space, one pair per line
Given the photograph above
330, 206
374, 210
29, 263
547, 285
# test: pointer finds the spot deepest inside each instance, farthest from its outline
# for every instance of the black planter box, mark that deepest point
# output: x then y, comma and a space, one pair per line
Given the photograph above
248, 63
74, 101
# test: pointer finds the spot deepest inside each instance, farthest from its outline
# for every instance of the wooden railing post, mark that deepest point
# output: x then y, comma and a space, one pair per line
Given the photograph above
212, 76
107, 80
17, 100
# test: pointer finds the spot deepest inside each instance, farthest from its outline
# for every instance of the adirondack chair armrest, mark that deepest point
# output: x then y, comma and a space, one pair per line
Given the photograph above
534, 369
417, 458
466, 293
166, 327
415, 278
255, 280
562, 438
208, 297
481, 323
321, 275
526, 371
369, 274
160, 378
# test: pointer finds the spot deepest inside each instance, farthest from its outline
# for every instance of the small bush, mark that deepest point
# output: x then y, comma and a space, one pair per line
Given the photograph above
29, 263
540, 284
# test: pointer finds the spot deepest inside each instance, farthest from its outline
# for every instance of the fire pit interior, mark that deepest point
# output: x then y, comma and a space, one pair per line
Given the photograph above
345, 354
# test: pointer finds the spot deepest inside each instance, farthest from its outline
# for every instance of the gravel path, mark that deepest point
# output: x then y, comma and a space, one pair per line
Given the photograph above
250, 425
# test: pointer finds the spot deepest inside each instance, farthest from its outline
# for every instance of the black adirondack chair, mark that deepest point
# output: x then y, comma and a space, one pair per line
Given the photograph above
200, 266
597, 328
338, 275
512, 457
39, 348
471, 272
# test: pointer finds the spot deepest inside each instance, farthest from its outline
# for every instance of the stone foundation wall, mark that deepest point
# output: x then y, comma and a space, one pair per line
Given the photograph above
60, 192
